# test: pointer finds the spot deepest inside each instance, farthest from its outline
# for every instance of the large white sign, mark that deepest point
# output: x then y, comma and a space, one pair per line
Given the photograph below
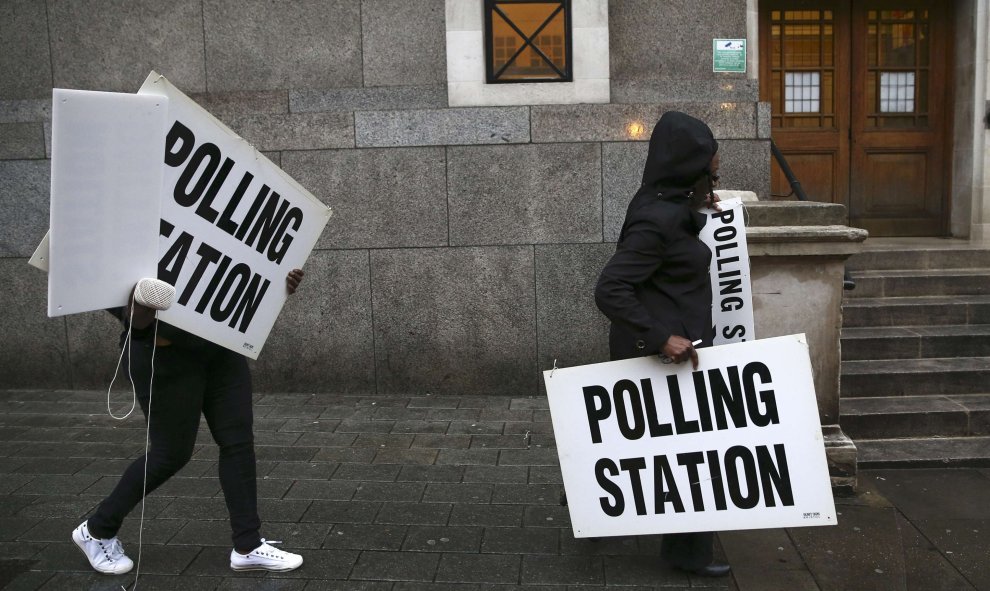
732, 293
651, 448
106, 179
232, 226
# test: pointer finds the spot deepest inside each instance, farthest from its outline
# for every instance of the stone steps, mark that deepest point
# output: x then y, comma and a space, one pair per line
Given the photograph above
896, 417
914, 342
904, 377
916, 355
915, 311
960, 257
927, 282
923, 452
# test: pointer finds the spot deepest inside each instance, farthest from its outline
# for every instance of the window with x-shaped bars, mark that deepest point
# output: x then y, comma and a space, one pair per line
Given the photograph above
528, 41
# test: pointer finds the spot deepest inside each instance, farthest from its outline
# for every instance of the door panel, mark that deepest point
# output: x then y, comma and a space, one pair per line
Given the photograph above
815, 170
897, 169
890, 180
806, 79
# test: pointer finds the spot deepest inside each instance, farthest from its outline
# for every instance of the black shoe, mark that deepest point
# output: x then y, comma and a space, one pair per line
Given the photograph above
715, 569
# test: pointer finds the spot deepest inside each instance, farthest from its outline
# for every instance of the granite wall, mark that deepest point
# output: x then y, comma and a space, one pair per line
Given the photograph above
465, 242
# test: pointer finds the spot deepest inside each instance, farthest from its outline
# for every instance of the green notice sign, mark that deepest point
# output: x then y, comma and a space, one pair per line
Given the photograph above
728, 55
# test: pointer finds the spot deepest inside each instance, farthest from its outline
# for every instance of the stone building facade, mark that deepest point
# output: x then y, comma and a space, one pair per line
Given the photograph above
467, 231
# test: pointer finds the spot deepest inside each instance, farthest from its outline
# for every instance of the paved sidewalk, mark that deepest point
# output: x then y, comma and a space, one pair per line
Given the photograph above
431, 493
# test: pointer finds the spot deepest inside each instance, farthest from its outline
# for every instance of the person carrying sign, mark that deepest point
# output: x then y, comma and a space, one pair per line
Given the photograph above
656, 289
192, 377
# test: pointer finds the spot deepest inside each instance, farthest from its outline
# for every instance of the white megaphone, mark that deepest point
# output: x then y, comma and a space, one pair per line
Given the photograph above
154, 293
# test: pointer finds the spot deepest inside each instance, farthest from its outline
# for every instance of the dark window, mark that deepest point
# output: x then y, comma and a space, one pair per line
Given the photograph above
528, 41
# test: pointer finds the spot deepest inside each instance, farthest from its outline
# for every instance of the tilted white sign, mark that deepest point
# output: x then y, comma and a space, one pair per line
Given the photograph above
732, 293
232, 226
106, 178
651, 448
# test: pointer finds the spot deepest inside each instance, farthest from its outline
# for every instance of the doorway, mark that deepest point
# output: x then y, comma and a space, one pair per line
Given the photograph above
859, 91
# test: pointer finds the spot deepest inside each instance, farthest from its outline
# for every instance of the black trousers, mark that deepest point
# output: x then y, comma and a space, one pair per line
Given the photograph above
207, 381
687, 551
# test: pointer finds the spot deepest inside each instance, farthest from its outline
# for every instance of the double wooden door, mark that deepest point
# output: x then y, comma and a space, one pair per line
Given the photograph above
859, 91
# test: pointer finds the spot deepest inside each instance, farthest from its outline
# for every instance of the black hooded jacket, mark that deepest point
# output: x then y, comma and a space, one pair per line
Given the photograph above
657, 283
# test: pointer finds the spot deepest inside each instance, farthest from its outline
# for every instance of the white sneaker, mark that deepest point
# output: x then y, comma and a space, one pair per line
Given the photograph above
265, 557
105, 556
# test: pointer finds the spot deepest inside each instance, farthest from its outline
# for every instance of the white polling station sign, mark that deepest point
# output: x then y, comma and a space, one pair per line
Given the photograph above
105, 184
232, 226
652, 448
732, 292
39, 260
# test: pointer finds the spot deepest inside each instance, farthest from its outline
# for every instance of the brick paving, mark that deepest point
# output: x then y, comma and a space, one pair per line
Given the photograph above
418, 493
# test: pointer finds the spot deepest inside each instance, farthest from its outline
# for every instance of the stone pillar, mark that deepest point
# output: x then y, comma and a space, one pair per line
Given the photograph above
797, 253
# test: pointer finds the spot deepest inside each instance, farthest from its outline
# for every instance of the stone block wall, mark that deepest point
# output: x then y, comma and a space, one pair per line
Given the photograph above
465, 242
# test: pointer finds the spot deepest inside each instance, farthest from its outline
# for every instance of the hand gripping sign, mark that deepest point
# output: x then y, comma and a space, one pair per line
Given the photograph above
652, 448
232, 226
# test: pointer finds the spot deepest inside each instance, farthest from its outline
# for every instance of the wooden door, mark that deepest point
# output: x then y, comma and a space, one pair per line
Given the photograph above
898, 172
804, 63
858, 92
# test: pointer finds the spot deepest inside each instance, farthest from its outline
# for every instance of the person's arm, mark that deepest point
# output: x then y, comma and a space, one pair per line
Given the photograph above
636, 259
143, 315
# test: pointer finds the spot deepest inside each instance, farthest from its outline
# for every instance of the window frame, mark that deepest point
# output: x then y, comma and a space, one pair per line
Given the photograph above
464, 23
567, 75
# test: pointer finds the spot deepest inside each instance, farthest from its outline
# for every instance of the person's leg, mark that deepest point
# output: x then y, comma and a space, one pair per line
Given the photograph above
171, 407
690, 551
173, 420
229, 413
228, 410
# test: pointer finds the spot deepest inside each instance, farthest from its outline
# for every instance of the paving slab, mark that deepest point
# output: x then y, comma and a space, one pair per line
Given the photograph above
861, 552
949, 553
436, 493
353, 536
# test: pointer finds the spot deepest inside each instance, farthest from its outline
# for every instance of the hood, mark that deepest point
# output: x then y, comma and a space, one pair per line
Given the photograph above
681, 148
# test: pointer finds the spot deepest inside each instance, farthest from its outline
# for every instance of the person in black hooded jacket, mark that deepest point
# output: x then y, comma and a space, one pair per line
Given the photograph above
656, 289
